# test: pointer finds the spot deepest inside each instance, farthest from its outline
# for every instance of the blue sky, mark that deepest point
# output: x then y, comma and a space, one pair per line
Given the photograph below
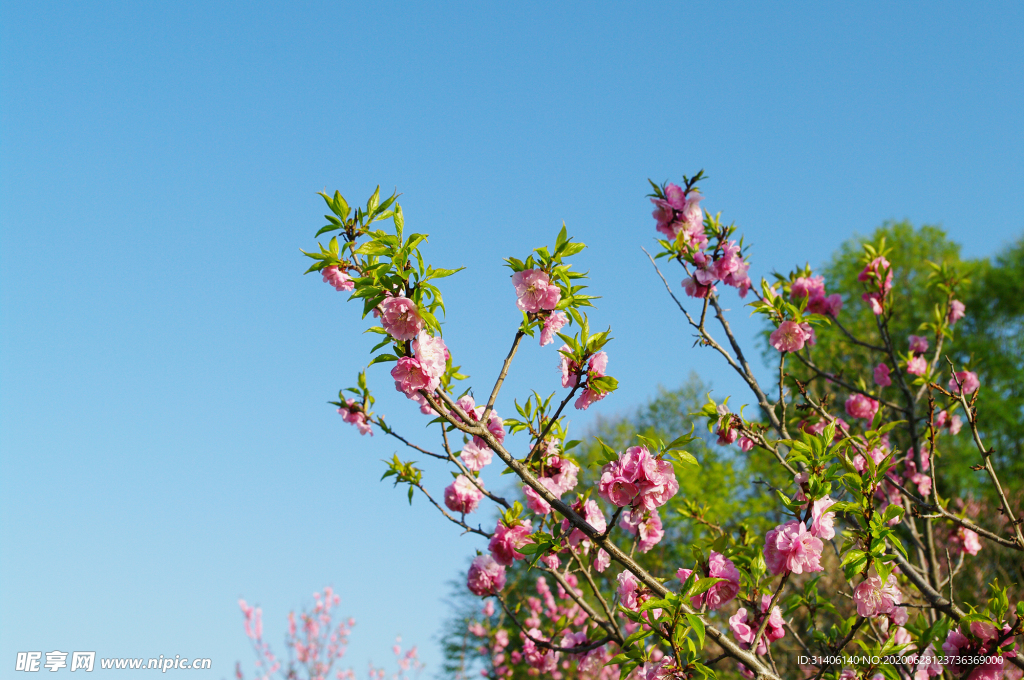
166, 446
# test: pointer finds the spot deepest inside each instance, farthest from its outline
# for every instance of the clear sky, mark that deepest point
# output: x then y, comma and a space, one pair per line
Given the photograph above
166, 446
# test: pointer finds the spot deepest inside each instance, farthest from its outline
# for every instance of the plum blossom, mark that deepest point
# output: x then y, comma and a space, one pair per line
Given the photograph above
410, 377
722, 592
628, 590
984, 642
638, 479
337, 278
791, 336
596, 368
744, 628
872, 273
593, 516
506, 541
646, 524
861, 406
822, 521
968, 379
956, 312
602, 560
746, 443
462, 495
791, 547
813, 288
680, 212
569, 368
967, 540
912, 476
400, 318
352, 413
534, 291
486, 576
918, 344
552, 324
695, 289
882, 378
476, 457
917, 365
951, 423
874, 597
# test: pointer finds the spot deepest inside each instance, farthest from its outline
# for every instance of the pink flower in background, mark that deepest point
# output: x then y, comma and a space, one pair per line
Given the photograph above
552, 324
791, 547
807, 287
721, 593
596, 368
823, 521
872, 273
968, 540
831, 305
918, 344
861, 406
486, 576
790, 336
506, 541
603, 560
956, 312
400, 318
917, 366
874, 301
882, 378
534, 291
968, 379
488, 610
874, 597
462, 495
337, 278
746, 444
593, 516
648, 524
695, 289
745, 628
638, 479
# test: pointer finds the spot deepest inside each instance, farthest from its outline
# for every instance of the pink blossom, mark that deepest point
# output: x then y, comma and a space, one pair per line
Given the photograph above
912, 476
968, 540
874, 597
410, 377
570, 369
918, 344
722, 592
486, 576
506, 542
552, 324
337, 278
475, 457
882, 378
355, 416
726, 435
872, 273
597, 366
627, 590
790, 547
695, 289
807, 287
603, 560
968, 379
680, 212
790, 336
534, 501
638, 479
956, 312
431, 353
830, 305
534, 291
917, 365
462, 495
822, 521
874, 301
400, 318
488, 611
746, 444
959, 647
543, 660
861, 406
648, 524
591, 514
745, 628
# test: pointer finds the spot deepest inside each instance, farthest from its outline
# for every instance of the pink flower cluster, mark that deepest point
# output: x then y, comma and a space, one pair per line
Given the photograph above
645, 525
878, 287
462, 495
882, 378
596, 368
875, 597
813, 289
956, 312
791, 547
951, 423
680, 213
911, 475
791, 336
745, 627
967, 379
983, 642
534, 291
638, 479
486, 576
552, 324
424, 369
728, 267
337, 278
507, 540
400, 318
591, 513
967, 540
721, 593
352, 413
917, 364
559, 477
861, 406
476, 453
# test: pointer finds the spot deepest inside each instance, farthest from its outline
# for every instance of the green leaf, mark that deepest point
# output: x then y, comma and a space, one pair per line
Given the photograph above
698, 626
380, 358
